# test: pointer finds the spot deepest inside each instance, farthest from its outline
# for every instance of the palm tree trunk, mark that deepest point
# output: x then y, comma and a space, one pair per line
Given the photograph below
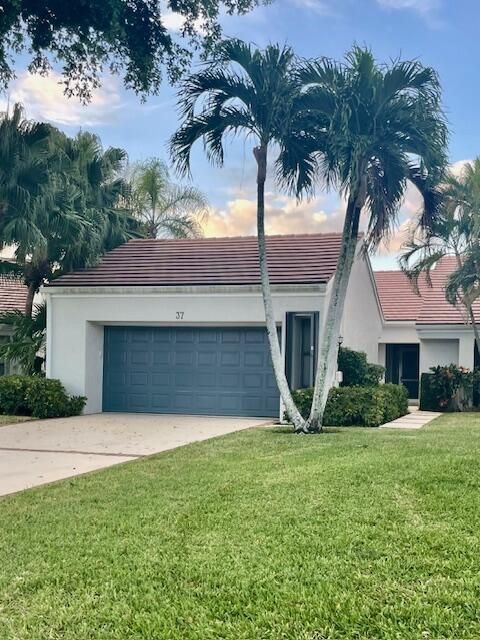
29, 301
476, 331
260, 154
469, 307
327, 359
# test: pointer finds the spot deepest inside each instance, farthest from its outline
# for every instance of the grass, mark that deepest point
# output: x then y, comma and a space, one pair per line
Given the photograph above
260, 535
4, 420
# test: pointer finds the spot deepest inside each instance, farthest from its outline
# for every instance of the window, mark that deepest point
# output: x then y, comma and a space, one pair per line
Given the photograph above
301, 348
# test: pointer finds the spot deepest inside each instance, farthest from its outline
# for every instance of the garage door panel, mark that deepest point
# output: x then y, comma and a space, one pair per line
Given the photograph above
208, 380
224, 371
183, 358
161, 402
207, 358
138, 379
161, 358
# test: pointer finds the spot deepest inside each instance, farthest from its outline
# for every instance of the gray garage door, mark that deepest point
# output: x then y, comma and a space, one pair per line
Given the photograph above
216, 371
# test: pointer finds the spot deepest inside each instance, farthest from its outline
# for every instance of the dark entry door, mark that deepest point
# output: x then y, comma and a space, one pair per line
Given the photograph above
190, 370
403, 366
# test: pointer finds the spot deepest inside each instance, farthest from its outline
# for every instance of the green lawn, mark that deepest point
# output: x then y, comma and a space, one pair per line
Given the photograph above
261, 535
4, 420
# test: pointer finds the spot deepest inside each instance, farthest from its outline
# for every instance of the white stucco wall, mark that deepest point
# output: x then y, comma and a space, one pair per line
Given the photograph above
444, 344
362, 319
76, 318
437, 353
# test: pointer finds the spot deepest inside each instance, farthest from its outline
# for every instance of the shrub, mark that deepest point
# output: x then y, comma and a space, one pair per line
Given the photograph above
37, 396
374, 374
13, 392
360, 406
448, 388
357, 371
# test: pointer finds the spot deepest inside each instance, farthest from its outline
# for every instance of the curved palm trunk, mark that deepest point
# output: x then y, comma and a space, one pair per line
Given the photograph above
327, 359
29, 300
469, 307
277, 360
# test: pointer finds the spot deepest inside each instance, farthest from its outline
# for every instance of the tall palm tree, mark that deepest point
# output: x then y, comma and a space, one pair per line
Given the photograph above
250, 92
455, 232
24, 149
165, 208
68, 216
371, 129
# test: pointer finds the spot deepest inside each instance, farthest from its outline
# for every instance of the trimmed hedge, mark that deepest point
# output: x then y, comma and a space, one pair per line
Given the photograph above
358, 406
38, 397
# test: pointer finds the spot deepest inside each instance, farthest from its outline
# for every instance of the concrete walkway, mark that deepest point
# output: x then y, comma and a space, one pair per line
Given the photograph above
416, 419
42, 451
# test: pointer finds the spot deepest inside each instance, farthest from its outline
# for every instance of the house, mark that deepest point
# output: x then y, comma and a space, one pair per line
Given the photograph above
13, 295
421, 329
177, 326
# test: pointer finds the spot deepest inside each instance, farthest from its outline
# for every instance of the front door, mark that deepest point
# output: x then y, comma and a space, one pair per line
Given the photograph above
403, 367
409, 370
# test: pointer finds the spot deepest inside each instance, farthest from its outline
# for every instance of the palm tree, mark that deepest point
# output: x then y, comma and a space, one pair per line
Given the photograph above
26, 345
164, 208
24, 148
456, 232
371, 129
68, 216
251, 92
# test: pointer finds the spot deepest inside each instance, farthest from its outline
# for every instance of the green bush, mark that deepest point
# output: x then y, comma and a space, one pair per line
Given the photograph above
357, 371
13, 392
358, 406
37, 396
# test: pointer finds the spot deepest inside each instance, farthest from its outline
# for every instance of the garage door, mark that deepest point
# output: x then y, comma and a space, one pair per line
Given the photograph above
216, 371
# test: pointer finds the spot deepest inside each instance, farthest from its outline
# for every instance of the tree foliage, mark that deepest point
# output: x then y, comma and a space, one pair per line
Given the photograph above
26, 344
455, 231
65, 212
165, 209
129, 37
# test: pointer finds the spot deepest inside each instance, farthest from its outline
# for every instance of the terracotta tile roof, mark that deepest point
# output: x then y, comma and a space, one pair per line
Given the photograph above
399, 301
212, 261
435, 309
13, 295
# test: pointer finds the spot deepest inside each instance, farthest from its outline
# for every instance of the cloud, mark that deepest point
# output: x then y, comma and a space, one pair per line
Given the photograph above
428, 9
317, 6
43, 99
283, 215
422, 6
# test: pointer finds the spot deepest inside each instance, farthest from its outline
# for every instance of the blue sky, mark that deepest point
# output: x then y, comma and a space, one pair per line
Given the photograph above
441, 33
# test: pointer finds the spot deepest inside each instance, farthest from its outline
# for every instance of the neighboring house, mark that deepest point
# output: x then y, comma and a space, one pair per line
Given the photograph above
177, 326
13, 295
422, 330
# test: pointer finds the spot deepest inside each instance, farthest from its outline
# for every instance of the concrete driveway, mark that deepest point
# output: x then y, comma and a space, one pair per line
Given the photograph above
42, 451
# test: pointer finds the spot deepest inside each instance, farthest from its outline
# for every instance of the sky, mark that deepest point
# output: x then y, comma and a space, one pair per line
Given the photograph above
440, 33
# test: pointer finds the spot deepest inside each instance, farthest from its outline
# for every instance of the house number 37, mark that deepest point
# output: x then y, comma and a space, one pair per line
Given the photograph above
179, 315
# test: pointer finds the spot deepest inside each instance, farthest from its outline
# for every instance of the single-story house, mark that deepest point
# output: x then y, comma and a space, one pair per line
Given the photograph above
421, 329
177, 326
13, 295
